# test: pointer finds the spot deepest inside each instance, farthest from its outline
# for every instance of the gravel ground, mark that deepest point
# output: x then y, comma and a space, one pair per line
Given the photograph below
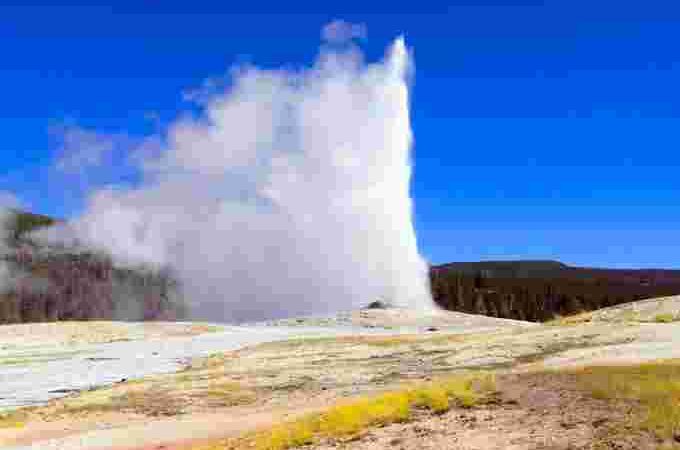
37, 378
36, 364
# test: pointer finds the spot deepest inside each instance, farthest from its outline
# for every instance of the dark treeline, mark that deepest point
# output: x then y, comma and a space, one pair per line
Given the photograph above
42, 284
542, 290
83, 287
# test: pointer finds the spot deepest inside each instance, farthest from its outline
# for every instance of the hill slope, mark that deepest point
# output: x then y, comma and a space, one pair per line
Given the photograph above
541, 290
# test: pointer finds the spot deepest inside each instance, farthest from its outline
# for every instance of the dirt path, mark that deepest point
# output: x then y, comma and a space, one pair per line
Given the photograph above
167, 433
51, 428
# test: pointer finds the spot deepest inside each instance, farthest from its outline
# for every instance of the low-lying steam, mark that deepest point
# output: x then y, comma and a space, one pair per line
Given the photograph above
289, 195
8, 202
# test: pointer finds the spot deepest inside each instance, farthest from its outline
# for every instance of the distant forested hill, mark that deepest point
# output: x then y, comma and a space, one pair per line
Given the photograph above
541, 290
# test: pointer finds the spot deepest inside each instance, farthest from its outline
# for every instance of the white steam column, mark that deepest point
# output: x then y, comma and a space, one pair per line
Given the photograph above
289, 196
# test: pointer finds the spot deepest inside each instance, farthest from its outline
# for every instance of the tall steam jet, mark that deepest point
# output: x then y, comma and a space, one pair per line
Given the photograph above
289, 195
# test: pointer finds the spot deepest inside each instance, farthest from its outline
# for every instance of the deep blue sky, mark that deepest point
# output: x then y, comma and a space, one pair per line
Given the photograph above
544, 129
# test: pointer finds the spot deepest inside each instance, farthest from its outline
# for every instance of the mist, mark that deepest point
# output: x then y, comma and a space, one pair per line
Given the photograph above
8, 277
288, 195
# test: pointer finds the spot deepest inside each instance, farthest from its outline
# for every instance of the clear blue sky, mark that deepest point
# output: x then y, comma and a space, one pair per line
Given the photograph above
544, 129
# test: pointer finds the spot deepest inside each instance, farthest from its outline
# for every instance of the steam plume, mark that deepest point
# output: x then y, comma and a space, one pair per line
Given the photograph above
290, 195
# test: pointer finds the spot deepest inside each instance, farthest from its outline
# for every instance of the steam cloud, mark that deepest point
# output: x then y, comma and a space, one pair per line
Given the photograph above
8, 202
289, 195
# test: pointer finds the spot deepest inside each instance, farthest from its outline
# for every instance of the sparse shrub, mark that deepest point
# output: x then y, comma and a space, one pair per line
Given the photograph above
434, 398
151, 402
288, 435
664, 318
351, 418
631, 316
228, 393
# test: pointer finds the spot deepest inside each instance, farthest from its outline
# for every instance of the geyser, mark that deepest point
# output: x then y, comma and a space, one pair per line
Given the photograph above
288, 195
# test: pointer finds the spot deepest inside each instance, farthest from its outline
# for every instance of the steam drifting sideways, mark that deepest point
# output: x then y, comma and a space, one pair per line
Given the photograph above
288, 195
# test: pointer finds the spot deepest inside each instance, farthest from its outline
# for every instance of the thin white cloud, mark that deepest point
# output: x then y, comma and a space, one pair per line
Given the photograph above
79, 150
207, 91
339, 31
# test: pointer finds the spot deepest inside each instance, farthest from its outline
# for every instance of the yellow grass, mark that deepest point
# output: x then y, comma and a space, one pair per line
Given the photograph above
161, 395
404, 339
349, 419
631, 315
148, 400
204, 328
229, 393
371, 341
655, 385
575, 319
213, 361
12, 419
664, 318
151, 402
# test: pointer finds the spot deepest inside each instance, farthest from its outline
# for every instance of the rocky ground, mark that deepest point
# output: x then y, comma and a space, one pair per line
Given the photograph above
250, 377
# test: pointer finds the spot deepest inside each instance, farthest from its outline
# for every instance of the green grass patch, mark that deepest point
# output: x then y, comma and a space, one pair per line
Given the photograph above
664, 318
656, 386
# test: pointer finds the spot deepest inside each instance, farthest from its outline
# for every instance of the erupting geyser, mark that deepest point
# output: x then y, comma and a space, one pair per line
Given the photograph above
289, 195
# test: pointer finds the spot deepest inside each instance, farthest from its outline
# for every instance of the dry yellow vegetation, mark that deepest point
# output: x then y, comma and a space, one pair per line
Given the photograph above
351, 418
664, 318
656, 386
11, 420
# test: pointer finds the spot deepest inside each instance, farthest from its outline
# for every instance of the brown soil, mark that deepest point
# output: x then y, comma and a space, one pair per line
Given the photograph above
530, 412
128, 430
